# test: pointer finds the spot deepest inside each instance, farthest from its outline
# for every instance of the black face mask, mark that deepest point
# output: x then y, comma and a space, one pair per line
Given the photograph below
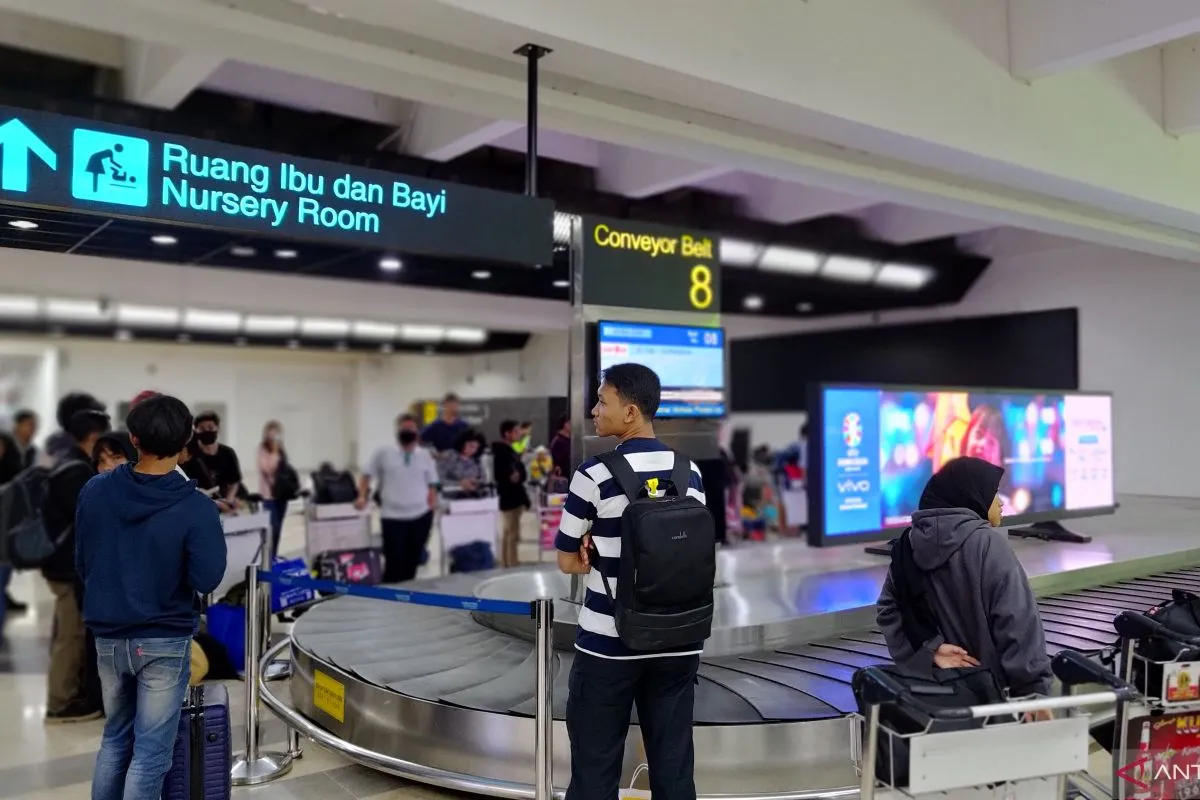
206, 437
407, 437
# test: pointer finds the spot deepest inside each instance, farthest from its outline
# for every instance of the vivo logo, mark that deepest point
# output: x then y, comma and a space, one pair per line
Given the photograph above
857, 487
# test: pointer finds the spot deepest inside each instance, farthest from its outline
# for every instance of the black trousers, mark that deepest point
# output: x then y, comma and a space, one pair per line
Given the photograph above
404, 542
602, 696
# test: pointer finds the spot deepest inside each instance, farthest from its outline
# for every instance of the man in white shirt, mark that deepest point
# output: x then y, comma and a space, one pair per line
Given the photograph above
407, 478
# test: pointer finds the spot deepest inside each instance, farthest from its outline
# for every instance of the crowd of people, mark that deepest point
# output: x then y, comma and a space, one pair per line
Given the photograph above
153, 494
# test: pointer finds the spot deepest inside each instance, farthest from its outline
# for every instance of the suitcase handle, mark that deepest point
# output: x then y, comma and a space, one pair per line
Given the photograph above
1135, 625
880, 688
1075, 669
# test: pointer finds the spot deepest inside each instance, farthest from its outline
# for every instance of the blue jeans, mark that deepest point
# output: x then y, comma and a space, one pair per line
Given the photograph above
5, 577
278, 510
144, 682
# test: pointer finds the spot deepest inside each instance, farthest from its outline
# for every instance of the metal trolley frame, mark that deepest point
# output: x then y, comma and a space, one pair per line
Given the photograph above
1004, 757
1132, 626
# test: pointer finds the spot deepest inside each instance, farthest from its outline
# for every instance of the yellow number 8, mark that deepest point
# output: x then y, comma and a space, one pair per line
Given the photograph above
701, 292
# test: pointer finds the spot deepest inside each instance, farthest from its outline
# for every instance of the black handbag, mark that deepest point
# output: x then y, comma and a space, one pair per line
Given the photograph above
942, 688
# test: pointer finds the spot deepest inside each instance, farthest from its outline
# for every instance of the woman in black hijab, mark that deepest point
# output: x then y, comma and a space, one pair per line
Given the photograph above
955, 595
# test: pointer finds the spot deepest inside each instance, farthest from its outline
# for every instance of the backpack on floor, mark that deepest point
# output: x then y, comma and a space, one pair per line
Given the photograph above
1180, 614
27, 542
664, 597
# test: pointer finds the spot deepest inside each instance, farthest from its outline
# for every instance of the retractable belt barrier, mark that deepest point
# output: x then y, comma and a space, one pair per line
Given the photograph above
456, 602
255, 766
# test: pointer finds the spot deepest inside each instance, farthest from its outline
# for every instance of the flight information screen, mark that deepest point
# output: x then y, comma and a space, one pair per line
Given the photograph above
689, 362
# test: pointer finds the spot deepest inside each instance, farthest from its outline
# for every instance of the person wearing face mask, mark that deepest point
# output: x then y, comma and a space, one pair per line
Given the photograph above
956, 595
407, 479
214, 467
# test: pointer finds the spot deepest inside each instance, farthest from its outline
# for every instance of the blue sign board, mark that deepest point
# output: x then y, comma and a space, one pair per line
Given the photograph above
93, 167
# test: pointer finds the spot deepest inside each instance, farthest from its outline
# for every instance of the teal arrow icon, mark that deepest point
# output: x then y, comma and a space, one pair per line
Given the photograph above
20, 145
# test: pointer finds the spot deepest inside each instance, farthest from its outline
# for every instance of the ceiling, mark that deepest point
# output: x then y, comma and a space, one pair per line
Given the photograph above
430, 87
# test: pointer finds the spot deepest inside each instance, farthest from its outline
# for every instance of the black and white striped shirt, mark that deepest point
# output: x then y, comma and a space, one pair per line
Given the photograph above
594, 506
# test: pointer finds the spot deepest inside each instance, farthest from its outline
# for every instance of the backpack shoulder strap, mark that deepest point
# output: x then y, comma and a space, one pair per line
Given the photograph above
623, 474
681, 474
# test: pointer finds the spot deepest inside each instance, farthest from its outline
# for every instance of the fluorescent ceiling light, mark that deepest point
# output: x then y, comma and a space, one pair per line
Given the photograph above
164, 240
422, 333
791, 260
739, 253
561, 284
262, 325
61, 310
286, 254
212, 321
14, 306
149, 316
853, 270
753, 302
562, 227
331, 328
378, 331
903, 276
466, 335
242, 251
23, 225
481, 274
391, 264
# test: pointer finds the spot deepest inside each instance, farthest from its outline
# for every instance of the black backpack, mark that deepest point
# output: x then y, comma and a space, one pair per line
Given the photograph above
331, 486
1180, 614
287, 481
27, 542
664, 596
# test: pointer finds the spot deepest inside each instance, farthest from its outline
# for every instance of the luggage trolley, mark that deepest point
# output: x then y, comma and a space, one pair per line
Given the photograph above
999, 756
1166, 723
334, 526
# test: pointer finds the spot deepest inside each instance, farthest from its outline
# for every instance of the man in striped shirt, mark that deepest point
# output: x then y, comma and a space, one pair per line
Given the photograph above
607, 678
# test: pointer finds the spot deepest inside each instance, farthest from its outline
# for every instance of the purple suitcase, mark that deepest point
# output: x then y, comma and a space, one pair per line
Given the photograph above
203, 753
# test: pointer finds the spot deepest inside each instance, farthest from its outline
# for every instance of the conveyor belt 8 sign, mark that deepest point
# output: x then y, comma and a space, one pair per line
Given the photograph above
640, 265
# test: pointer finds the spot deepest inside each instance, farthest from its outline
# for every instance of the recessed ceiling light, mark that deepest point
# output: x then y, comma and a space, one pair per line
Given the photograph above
790, 260
286, 254
739, 253
466, 335
152, 316
242, 251
561, 284
903, 276
212, 321
266, 325
753, 302
23, 224
164, 240
844, 268
391, 264
804, 308
481, 274
379, 331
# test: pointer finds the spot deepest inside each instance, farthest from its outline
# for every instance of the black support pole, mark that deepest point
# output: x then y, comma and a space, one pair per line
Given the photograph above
532, 54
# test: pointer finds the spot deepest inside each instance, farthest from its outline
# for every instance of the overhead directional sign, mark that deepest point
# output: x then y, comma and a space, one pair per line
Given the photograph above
93, 167
640, 265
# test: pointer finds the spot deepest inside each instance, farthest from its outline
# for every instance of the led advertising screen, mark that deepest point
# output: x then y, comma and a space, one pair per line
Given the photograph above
690, 363
876, 447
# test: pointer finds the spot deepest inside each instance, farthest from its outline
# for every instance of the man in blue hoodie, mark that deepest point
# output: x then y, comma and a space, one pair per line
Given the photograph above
147, 546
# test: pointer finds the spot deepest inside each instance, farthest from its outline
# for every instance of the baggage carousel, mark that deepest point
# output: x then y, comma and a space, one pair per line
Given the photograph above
451, 694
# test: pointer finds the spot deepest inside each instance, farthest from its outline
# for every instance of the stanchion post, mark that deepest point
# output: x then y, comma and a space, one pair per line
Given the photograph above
254, 767
543, 745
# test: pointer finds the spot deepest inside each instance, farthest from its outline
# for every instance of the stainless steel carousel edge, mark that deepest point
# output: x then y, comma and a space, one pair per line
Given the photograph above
488, 753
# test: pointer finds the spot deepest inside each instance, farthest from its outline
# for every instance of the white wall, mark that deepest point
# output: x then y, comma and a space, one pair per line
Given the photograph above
1139, 337
335, 406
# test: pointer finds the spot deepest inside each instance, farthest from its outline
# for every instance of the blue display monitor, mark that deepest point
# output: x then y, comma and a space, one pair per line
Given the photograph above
872, 449
690, 363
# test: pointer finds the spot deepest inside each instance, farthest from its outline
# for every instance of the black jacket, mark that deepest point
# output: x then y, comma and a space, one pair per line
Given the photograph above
62, 496
510, 477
